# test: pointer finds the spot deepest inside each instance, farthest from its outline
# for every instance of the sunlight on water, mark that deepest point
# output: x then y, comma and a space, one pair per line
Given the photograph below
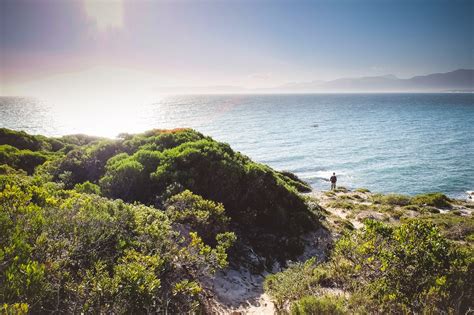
107, 122
113, 117
101, 118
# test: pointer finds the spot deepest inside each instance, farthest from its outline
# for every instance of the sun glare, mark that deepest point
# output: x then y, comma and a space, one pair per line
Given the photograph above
107, 14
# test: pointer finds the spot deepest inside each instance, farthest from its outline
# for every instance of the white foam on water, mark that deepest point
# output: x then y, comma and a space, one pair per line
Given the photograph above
319, 174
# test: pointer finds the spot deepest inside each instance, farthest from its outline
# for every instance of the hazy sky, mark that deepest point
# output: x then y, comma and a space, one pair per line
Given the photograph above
60, 46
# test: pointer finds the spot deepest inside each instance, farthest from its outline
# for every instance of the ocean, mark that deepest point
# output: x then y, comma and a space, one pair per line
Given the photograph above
388, 143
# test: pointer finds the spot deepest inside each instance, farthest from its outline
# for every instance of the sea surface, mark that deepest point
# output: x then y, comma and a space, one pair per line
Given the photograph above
403, 143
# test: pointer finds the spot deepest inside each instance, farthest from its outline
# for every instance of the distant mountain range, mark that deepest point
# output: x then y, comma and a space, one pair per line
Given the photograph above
461, 80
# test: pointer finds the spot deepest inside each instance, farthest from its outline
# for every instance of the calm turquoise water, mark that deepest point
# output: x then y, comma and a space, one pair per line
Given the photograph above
405, 143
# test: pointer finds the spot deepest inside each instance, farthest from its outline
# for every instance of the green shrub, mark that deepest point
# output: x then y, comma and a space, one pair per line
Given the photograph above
362, 190
452, 226
341, 189
321, 305
293, 180
28, 160
346, 197
432, 199
23, 141
86, 163
431, 209
329, 193
252, 193
291, 284
396, 200
397, 214
124, 179
79, 139
8, 170
391, 199
204, 216
436, 273
148, 167
408, 268
87, 188
21, 159
160, 140
340, 204
413, 208
68, 252
344, 224
14, 309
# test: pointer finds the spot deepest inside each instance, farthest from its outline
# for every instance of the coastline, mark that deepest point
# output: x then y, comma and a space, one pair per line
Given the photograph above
233, 228
238, 291
409, 143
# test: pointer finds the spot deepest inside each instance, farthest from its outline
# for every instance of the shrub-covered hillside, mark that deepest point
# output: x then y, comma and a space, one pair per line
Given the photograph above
393, 254
132, 225
69, 252
152, 166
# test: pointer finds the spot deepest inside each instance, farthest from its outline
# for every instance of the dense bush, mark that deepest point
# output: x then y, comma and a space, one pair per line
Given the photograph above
294, 181
85, 163
295, 282
435, 271
252, 193
87, 188
432, 199
153, 166
79, 139
160, 140
409, 268
438, 200
23, 141
62, 251
143, 167
341, 204
8, 170
21, 159
124, 179
321, 305
396, 200
203, 216
129, 177
451, 225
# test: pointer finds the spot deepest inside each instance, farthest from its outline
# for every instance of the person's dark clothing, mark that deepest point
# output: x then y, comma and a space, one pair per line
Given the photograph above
333, 180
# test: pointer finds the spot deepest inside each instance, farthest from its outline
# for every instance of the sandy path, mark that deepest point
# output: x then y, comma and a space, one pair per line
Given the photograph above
238, 292
241, 292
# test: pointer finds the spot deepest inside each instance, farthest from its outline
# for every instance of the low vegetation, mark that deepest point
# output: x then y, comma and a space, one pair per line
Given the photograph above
150, 167
65, 251
432, 199
136, 224
438, 200
452, 225
21, 159
133, 225
410, 268
324, 305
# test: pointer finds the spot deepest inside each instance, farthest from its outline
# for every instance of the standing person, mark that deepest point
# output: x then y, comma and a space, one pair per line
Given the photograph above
333, 181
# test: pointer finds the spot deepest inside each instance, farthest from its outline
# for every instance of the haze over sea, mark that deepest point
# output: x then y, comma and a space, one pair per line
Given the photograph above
402, 143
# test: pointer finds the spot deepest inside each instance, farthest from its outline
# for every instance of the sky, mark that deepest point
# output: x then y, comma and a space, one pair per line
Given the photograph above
97, 48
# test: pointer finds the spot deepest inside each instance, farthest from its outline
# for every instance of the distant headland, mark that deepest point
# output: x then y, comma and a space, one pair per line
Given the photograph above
457, 81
